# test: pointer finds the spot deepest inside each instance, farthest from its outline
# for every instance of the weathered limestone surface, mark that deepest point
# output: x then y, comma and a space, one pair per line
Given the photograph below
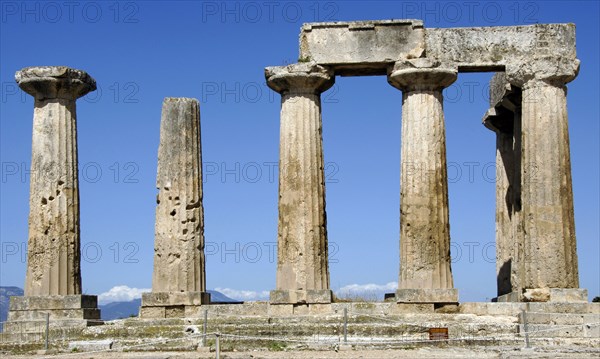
504, 118
361, 47
537, 258
370, 47
318, 296
428, 295
53, 302
53, 258
302, 259
172, 304
53, 278
424, 221
179, 231
535, 227
60, 307
492, 48
179, 277
175, 298
509, 234
267, 309
550, 256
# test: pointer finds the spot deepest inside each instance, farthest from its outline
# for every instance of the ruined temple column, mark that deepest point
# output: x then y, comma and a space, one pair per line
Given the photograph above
179, 278
53, 279
504, 118
550, 255
425, 273
302, 260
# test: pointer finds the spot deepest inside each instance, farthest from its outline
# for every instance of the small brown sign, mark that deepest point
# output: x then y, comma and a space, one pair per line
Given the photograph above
438, 333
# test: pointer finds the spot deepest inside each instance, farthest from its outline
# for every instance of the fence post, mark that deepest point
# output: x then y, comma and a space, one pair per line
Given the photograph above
47, 330
345, 325
525, 328
217, 346
205, 327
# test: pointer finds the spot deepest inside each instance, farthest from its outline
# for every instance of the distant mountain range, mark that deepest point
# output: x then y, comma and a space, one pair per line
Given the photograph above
110, 311
118, 310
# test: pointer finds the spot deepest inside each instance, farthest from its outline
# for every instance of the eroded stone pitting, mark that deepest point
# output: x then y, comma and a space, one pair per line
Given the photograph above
179, 277
53, 278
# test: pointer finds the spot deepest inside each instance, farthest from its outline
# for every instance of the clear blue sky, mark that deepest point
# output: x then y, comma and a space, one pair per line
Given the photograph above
141, 52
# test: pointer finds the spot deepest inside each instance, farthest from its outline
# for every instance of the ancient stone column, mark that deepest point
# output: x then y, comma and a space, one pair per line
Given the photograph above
550, 256
53, 279
179, 278
504, 118
425, 273
302, 259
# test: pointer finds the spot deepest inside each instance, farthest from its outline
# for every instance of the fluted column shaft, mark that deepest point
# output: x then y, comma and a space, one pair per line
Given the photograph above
302, 260
179, 264
424, 225
548, 268
53, 255
53, 248
547, 194
509, 229
302, 231
424, 217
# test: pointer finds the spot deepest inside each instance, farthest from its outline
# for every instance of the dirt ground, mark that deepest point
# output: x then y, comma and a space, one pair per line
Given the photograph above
432, 353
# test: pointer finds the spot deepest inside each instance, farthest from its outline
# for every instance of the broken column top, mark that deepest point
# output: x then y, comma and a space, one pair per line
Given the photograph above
45, 82
180, 99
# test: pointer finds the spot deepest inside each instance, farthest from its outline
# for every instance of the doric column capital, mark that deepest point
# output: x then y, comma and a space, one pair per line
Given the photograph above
550, 70
421, 74
299, 78
48, 82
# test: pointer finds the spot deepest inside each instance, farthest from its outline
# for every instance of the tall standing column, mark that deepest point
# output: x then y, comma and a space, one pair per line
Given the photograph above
550, 258
179, 278
504, 118
53, 279
302, 259
425, 272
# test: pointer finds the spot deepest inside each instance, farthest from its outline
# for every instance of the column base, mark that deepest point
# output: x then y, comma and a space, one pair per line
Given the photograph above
435, 296
172, 304
312, 296
556, 295
28, 313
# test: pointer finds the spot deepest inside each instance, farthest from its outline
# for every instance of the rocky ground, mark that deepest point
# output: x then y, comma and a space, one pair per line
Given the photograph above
475, 330
429, 352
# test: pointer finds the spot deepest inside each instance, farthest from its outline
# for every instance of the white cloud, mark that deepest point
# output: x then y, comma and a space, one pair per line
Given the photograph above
244, 294
121, 293
367, 291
